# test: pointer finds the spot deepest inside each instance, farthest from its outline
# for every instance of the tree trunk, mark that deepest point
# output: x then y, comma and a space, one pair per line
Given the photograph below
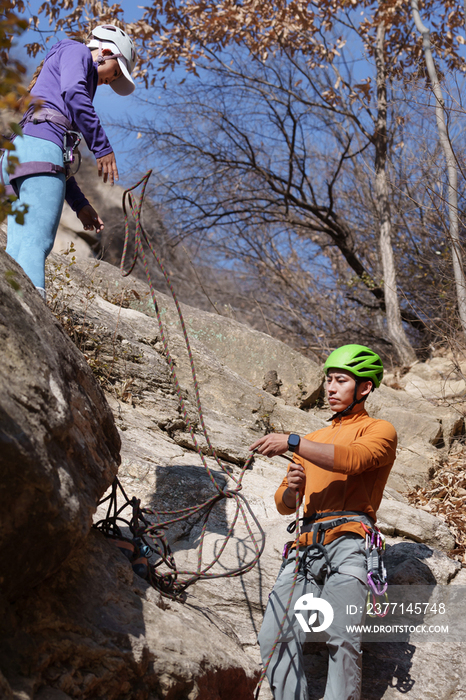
395, 328
451, 166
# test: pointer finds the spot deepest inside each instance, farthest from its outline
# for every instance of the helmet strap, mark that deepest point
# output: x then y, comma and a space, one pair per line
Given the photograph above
101, 58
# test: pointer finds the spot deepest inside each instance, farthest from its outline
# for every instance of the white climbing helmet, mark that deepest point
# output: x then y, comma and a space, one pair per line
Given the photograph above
107, 36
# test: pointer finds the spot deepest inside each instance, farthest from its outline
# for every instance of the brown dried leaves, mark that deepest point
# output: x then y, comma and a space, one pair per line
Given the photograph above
174, 32
445, 497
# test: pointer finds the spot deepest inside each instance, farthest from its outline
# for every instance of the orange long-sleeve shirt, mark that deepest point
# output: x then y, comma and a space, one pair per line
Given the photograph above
365, 450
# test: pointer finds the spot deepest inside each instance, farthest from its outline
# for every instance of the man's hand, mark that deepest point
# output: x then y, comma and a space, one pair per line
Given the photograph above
296, 479
277, 444
107, 167
271, 445
90, 219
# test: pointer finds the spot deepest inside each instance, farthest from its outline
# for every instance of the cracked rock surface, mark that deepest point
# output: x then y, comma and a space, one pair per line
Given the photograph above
88, 627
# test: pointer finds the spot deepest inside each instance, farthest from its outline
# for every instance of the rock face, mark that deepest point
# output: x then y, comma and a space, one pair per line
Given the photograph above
231, 379
59, 447
424, 430
102, 632
94, 629
439, 379
395, 518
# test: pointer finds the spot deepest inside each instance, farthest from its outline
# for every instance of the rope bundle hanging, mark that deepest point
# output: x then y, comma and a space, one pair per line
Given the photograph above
150, 537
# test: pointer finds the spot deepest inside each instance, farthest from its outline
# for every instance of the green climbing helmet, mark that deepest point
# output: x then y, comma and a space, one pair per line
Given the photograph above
357, 359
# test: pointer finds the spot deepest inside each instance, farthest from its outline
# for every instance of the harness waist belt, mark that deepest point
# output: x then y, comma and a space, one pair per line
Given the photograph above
323, 526
48, 115
316, 526
310, 522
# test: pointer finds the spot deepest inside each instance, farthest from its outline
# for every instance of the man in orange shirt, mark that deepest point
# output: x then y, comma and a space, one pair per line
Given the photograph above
340, 472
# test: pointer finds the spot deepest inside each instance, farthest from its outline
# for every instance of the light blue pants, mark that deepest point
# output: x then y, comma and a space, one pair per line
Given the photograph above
285, 672
44, 193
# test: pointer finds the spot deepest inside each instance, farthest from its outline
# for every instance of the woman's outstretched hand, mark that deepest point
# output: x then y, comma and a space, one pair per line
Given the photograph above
107, 168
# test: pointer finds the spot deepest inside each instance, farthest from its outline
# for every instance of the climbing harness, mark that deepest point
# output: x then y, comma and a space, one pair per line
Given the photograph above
71, 153
316, 525
375, 573
162, 571
374, 548
46, 114
71, 138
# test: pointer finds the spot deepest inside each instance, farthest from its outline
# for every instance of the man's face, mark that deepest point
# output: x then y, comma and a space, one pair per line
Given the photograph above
340, 389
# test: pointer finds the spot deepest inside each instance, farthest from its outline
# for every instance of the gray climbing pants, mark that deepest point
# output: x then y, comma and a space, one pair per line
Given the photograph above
285, 672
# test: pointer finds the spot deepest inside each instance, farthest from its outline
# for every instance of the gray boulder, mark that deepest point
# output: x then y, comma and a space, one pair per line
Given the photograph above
410, 563
395, 518
424, 431
236, 410
100, 631
439, 379
415, 419
59, 447
245, 351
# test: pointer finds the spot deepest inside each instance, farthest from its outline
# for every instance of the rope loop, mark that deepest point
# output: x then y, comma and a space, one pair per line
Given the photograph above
153, 535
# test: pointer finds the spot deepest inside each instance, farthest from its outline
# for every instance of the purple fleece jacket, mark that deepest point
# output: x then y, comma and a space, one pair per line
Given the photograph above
67, 82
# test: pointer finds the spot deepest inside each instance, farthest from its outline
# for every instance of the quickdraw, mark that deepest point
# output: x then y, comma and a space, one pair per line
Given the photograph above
376, 572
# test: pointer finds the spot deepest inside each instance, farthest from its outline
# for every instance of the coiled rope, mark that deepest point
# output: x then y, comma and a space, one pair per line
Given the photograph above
172, 582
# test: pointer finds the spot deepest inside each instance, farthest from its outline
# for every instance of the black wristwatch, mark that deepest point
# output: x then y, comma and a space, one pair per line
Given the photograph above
293, 442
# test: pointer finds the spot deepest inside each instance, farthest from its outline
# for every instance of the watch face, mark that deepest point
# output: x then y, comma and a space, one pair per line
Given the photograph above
293, 440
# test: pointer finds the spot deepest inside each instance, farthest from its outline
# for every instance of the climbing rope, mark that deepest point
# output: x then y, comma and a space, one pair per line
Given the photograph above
150, 537
288, 604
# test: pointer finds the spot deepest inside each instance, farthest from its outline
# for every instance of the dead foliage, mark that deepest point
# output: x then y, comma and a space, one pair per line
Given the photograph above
445, 497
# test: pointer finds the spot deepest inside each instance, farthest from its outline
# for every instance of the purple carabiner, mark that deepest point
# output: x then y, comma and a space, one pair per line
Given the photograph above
375, 588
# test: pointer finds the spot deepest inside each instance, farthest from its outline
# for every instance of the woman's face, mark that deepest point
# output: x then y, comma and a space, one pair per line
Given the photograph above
108, 72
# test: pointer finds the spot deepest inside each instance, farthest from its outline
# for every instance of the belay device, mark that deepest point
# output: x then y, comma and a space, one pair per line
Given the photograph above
71, 153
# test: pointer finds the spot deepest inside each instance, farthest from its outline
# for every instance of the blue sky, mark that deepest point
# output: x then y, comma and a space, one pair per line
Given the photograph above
112, 108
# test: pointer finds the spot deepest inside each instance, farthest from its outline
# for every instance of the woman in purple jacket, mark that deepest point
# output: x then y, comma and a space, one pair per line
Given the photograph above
66, 86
